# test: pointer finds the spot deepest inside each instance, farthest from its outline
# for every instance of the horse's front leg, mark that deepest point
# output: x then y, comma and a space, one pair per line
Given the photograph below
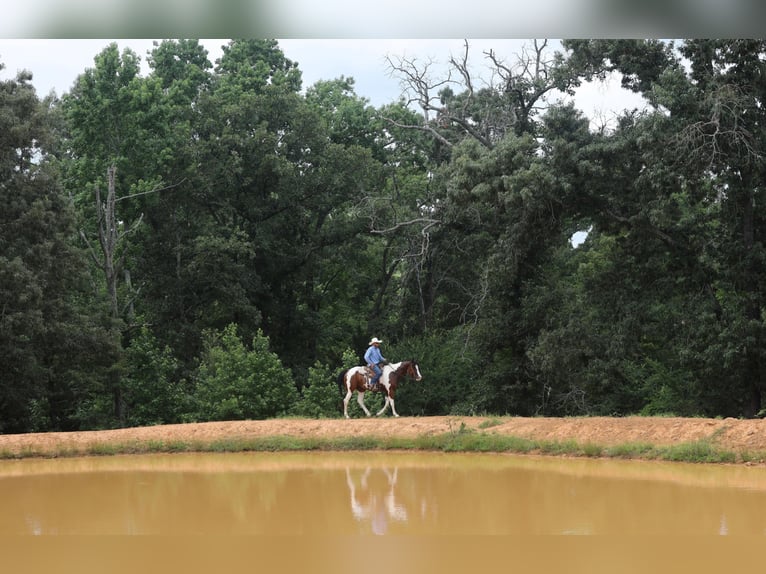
389, 402
385, 406
393, 409
360, 400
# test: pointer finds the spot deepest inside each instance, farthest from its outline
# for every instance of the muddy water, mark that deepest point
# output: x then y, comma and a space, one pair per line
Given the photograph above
375, 493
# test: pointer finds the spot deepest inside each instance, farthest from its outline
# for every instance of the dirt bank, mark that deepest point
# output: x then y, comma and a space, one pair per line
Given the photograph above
732, 434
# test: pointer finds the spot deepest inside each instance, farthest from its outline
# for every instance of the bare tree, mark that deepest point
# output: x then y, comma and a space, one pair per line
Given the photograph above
110, 236
485, 110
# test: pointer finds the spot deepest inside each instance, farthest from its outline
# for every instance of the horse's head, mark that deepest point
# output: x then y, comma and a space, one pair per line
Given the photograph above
413, 370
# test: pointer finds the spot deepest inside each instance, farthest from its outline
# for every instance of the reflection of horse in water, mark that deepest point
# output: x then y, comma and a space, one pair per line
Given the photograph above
356, 379
372, 506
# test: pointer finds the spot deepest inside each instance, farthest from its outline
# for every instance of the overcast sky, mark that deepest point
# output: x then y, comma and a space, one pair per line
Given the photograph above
376, 19
55, 64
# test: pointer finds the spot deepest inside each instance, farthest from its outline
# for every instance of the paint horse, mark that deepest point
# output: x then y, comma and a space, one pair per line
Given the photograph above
356, 379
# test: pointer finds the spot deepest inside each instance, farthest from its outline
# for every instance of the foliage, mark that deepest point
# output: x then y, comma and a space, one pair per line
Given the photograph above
319, 397
151, 391
54, 346
235, 382
449, 365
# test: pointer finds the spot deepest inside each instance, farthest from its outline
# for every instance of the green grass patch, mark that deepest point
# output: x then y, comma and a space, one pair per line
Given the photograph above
592, 450
24, 453
631, 450
105, 449
489, 423
558, 448
757, 457
698, 451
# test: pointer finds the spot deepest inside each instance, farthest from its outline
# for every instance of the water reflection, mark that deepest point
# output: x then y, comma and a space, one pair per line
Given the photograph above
375, 505
343, 494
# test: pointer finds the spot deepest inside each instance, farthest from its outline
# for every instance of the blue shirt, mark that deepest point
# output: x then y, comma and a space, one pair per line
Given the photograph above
373, 355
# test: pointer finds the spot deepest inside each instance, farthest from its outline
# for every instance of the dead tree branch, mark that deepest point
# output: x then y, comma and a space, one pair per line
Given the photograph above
486, 114
111, 234
723, 132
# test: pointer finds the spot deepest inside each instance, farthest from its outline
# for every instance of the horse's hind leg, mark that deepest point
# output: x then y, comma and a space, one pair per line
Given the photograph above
345, 403
360, 400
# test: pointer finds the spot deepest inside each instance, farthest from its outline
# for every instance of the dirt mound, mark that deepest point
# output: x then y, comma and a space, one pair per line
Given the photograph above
733, 434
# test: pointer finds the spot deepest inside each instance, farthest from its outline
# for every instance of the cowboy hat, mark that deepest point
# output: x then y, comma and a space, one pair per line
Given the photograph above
375, 340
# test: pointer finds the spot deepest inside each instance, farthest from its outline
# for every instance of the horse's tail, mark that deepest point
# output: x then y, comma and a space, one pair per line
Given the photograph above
341, 378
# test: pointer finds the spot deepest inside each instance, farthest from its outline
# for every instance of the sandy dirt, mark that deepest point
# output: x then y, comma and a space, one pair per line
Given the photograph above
733, 434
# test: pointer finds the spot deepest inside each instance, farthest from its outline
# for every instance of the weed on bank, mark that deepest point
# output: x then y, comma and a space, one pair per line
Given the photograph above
457, 440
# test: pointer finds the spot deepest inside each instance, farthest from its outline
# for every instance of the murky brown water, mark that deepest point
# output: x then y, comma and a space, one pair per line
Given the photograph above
394, 495
360, 493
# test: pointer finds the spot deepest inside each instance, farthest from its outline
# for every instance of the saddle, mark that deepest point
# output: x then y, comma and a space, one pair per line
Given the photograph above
368, 375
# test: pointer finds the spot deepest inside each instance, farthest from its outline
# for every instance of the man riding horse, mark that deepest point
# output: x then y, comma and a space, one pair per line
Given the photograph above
374, 359
377, 375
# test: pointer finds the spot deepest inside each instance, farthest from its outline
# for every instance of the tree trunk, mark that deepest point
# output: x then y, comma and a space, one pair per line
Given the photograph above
107, 237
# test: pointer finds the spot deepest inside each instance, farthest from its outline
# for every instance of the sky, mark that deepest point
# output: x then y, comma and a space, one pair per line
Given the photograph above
56, 63
353, 37
376, 19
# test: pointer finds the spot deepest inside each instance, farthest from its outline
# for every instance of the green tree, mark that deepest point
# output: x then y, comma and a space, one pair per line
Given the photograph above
114, 154
235, 382
319, 396
151, 390
697, 190
452, 381
277, 182
53, 347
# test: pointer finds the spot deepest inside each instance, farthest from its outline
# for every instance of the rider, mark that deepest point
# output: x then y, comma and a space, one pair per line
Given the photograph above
374, 359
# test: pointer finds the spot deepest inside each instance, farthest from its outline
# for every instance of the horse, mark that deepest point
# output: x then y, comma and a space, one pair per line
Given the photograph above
355, 379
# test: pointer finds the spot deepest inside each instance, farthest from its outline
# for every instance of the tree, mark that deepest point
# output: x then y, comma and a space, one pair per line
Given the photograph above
53, 347
507, 104
236, 382
153, 394
319, 397
703, 153
278, 177
113, 116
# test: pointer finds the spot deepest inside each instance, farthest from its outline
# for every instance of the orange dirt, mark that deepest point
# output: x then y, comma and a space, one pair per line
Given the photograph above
733, 434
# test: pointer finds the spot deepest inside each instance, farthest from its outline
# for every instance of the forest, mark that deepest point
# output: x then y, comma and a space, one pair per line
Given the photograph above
216, 241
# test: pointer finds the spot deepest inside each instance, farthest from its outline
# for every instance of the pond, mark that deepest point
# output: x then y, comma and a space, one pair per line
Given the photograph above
401, 500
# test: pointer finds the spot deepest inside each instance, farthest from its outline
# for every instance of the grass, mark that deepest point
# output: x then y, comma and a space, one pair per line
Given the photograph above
630, 450
699, 451
459, 439
489, 423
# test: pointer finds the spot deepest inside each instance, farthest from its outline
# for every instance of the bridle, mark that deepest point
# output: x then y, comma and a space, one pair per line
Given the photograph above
410, 370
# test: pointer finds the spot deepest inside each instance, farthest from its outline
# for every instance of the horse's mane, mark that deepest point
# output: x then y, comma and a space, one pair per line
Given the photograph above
399, 364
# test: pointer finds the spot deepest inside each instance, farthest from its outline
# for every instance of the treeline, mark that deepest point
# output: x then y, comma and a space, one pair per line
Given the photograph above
216, 241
